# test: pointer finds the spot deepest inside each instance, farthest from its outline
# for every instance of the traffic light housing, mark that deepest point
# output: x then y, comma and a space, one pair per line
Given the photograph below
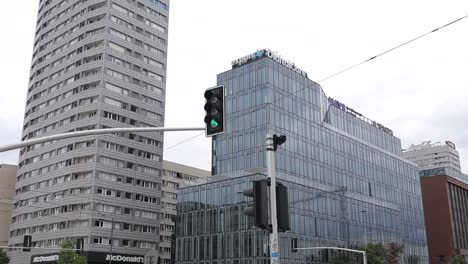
214, 107
282, 208
261, 204
278, 140
259, 210
27, 243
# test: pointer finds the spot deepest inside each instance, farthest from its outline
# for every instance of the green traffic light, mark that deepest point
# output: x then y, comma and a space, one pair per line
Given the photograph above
213, 123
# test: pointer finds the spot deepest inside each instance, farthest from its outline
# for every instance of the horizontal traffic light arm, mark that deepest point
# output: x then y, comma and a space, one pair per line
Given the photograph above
94, 132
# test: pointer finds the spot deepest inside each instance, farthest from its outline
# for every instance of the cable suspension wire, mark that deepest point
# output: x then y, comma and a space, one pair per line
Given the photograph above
186, 140
349, 68
394, 48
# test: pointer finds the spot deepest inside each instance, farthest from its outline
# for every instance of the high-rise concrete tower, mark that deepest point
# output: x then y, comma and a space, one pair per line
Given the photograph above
95, 64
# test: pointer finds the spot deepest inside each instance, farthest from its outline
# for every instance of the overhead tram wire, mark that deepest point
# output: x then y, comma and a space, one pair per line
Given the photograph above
394, 48
365, 61
181, 142
345, 70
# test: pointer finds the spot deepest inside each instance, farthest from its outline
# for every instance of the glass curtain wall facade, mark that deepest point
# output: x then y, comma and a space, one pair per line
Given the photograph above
373, 194
95, 64
212, 227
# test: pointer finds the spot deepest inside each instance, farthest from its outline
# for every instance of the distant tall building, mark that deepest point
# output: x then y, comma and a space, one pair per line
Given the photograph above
434, 155
174, 176
445, 199
348, 182
95, 64
7, 194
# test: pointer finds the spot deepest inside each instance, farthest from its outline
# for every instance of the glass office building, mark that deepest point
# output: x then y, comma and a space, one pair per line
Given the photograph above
348, 183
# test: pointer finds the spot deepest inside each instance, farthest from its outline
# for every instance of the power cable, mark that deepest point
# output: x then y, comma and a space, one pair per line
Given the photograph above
365, 61
347, 69
175, 145
394, 48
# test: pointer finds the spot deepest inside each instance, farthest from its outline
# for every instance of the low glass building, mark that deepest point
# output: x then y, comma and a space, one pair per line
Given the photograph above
348, 182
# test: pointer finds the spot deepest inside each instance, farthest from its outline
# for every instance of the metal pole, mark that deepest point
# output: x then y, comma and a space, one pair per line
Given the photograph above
270, 160
364, 257
112, 241
94, 132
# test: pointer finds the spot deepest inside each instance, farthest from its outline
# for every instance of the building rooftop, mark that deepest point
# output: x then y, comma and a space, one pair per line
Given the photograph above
430, 155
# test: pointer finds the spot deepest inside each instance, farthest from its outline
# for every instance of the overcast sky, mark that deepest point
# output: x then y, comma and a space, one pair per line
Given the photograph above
420, 91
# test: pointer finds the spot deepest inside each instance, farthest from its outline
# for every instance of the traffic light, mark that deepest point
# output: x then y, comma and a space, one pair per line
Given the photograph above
214, 108
259, 210
261, 203
79, 245
282, 208
27, 243
294, 244
278, 140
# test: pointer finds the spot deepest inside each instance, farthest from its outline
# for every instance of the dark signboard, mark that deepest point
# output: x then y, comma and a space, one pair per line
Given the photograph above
49, 258
93, 258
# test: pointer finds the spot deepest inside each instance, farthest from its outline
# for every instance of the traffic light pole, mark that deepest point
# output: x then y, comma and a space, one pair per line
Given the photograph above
270, 160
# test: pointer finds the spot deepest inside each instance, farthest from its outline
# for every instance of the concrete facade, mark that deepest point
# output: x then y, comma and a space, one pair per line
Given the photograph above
174, 176
95, 64
7, 194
